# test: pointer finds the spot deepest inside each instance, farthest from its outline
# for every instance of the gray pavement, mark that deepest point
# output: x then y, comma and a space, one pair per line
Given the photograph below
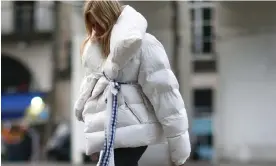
156, 155
188, 164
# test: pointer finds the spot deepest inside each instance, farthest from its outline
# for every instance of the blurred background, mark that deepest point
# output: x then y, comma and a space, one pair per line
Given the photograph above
223, 54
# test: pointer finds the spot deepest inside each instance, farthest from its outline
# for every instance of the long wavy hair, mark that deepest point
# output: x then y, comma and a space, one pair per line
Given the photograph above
100, 15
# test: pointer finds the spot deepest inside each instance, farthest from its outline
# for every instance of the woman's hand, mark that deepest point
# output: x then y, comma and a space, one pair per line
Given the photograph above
95, 157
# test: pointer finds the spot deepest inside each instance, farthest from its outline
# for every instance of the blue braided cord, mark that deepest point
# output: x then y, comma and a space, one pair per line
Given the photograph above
110, 137
113, 124
106, 143
110, 140
113, 127
104, 149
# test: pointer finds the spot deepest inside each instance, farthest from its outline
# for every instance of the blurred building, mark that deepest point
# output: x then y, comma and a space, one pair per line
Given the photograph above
35, 62
26, 32
245, 113
28, 47
203, 77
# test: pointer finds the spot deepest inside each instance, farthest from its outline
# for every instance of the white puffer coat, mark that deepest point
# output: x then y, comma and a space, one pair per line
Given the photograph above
149, 113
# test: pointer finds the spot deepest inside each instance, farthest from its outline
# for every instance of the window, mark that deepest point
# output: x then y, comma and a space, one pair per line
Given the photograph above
24, 16
198, 1
203, 102
201, 15
202, 147
204, 66
207, 14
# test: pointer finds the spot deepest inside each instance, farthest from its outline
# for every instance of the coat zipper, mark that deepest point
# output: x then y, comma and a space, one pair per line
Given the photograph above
132, 112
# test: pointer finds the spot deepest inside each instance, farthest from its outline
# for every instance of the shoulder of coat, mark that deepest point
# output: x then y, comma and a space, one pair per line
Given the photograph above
150, 41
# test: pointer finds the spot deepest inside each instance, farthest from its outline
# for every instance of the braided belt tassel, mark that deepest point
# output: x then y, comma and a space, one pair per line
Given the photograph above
110, 132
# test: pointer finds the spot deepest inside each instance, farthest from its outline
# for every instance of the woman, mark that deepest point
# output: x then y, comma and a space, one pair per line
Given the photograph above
128, 89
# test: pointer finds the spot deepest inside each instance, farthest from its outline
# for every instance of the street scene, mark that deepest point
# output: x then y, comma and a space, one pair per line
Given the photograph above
222, 54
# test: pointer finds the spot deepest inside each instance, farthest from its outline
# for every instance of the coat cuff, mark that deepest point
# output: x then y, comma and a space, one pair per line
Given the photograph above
180, 148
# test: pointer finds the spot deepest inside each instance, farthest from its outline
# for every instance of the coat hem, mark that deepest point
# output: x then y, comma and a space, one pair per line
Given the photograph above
129, 136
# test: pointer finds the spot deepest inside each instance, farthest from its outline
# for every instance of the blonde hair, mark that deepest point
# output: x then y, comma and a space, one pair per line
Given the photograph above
105, 14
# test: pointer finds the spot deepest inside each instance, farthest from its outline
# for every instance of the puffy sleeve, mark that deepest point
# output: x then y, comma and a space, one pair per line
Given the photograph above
161, 87
86, 88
